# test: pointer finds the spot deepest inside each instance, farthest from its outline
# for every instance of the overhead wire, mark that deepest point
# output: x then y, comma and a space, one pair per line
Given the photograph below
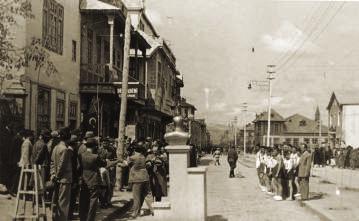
309, 35
295, 40
318, 35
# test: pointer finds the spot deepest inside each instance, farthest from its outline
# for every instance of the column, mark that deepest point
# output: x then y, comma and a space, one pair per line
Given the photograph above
110, 20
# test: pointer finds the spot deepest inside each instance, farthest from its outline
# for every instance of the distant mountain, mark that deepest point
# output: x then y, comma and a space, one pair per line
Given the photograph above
216, 131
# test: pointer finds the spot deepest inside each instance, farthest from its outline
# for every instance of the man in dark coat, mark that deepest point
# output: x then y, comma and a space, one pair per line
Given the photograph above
232, 161
91, 163
41, 156
304, 167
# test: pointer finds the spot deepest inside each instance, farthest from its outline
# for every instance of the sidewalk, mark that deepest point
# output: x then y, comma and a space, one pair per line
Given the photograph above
121, 204
334, 192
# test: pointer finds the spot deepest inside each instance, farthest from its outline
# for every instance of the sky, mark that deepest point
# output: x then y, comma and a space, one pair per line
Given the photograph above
221, 45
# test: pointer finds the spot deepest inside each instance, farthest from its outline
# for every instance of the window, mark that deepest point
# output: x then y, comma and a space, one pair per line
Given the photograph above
276, 128
306, 140
119, 59
43, 108
53, 26
159, 72
60, 109
302, 123
107, 52
72, 114
288, 140
74, 48
296, 142
98, 49
315, 140
89, 47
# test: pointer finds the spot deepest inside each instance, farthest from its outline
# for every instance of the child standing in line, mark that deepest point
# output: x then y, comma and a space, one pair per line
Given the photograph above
288, 174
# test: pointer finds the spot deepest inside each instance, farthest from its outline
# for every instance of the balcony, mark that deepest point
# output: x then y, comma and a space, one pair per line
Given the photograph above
99, 79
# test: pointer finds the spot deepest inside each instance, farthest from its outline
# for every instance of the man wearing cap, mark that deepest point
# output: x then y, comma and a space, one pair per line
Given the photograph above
61, 174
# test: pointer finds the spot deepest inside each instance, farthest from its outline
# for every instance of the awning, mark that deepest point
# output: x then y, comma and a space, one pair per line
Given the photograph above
96, 5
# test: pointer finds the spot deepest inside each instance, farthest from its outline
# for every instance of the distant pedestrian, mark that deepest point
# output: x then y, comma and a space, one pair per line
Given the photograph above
232, 161
61, 174
304, 172
217, 156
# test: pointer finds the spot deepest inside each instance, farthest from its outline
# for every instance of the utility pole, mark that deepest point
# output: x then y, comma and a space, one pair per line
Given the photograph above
124, 90
235, 133
270, 77
244, 106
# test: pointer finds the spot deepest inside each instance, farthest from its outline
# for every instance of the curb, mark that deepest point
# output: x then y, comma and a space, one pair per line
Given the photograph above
322, 216
117, 213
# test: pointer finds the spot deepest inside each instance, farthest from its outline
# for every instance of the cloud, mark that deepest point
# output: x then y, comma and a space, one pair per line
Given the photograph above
154, 17
288, 38
218, 107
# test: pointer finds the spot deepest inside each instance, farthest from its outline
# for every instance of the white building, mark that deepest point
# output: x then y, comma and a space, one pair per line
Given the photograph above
343, 120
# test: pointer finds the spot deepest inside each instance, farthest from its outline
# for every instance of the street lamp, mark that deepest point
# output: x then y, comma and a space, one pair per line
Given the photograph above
268, 84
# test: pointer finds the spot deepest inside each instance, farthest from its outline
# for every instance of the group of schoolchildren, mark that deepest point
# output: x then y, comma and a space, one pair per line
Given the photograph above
278, 172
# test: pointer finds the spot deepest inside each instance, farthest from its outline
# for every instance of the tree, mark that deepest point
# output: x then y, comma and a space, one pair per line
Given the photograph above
12, 57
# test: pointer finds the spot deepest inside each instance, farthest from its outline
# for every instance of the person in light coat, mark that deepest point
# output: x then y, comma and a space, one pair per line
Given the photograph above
304, 167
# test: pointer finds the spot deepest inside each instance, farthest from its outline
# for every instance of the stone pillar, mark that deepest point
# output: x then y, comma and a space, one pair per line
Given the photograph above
178, 164
197, 194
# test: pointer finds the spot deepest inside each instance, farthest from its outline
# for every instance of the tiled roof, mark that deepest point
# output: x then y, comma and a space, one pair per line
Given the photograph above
275, 116
301, 124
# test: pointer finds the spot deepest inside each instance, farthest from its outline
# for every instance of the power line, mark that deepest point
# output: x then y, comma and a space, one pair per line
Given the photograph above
319, 34
295, 40
280, 66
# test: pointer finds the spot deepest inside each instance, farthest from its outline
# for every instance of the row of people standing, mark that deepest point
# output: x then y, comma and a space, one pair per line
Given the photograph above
70, 169
284, 173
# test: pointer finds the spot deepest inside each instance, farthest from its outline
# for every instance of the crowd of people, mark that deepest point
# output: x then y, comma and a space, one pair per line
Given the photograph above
284, 173
81, 168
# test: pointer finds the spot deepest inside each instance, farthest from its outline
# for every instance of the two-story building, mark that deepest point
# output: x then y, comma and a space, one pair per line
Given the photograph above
261, 128
343, 119
250, 138
49, 99
294, 130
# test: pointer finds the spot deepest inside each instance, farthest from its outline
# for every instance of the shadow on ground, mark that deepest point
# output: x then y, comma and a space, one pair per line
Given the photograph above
216, 218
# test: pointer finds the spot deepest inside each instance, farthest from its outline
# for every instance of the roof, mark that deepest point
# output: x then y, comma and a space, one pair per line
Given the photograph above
344, 98
153, 43
185, 104
96, 5
300, 124
275, 116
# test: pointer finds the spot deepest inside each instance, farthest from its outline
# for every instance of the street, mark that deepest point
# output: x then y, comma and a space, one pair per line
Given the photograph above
241, 199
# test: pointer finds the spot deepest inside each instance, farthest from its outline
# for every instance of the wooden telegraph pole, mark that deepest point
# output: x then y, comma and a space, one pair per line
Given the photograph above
124, 89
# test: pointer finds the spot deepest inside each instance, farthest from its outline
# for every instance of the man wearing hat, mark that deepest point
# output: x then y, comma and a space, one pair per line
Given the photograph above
73, 145
61, 174
139, 178
40, 154
91, 163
